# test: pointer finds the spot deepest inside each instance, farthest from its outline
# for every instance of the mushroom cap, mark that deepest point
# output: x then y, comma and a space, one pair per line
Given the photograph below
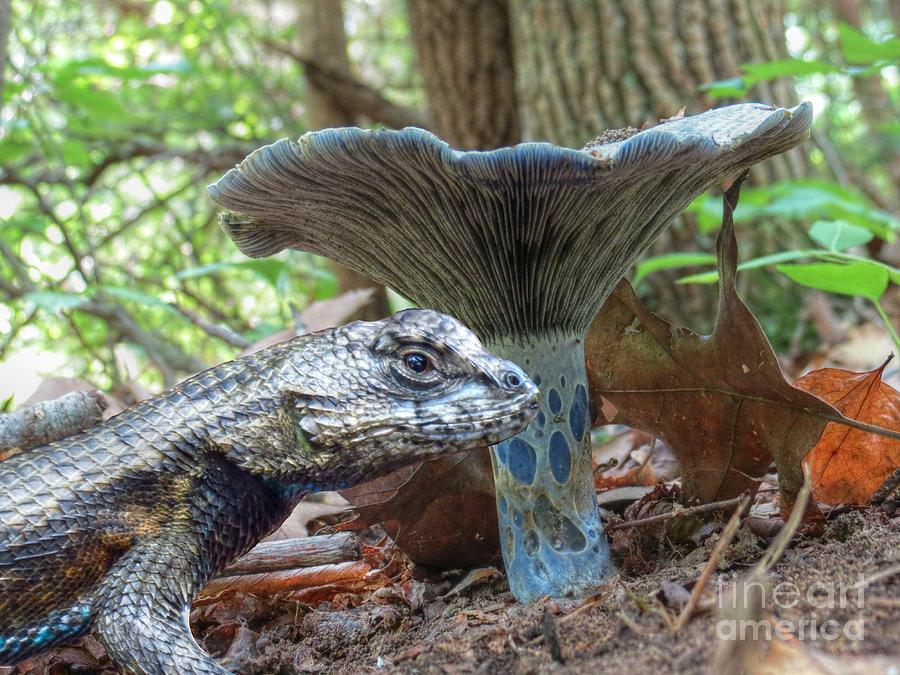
516, 242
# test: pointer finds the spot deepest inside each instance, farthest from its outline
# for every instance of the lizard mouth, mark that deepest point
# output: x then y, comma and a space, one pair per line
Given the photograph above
478, 427
485, 429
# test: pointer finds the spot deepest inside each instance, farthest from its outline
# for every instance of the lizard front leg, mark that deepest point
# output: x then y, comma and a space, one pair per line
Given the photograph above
142, 618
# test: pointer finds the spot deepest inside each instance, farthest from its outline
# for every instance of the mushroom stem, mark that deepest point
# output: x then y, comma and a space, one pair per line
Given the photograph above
550, 529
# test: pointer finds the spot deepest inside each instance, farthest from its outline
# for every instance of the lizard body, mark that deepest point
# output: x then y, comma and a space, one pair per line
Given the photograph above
117, 528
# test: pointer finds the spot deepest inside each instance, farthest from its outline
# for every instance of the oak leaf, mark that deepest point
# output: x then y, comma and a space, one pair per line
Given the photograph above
441, 513
848, 465
719, 401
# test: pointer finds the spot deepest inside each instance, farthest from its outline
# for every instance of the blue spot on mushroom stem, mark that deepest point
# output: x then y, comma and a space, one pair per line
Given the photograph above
554, 401
560, 457
579, 413
522, 461
503, 452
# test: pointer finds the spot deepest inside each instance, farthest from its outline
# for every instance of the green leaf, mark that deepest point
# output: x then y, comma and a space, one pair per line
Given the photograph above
734, 87
12, 149
55, 302
138, 297
863, 278
838, 235
771, 70
267, 268
74, 152
862, 50
90, 99
755, 263
799, 200
670, 261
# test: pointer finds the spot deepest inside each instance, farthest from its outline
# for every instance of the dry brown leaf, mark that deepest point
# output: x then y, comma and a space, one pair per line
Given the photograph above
720, 402
440, 513
848, 465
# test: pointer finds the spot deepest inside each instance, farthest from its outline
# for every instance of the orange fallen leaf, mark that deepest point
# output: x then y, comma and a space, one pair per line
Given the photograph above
848, 465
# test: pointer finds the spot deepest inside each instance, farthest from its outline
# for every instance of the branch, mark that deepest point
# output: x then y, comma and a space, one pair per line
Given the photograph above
220, 159
221, 332
346, 574
50, 421
288, 554
168, 358
352, 95
689, 511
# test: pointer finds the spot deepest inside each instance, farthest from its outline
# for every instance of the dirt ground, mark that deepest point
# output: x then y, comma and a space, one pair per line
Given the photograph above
624, 629
841, 588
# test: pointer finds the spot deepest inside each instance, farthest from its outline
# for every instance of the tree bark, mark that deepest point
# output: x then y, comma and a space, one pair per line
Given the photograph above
323, 41
464, 52
583, 66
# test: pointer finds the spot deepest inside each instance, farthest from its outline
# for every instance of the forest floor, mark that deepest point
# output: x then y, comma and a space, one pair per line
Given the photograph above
839, 591
623, 629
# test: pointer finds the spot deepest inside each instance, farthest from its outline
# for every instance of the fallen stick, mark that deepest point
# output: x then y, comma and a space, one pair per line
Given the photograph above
50, 421
289, 554
689, 511
724, 542
287, 580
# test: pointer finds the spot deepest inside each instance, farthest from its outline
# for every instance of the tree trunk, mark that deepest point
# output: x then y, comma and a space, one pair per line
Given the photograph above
323, 41
464, 52
583, 66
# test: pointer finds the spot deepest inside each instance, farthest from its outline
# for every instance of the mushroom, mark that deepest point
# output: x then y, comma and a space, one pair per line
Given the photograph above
523, 244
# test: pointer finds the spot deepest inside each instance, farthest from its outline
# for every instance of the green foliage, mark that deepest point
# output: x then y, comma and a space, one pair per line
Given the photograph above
114, 121
862, 56
864, 278
836, 270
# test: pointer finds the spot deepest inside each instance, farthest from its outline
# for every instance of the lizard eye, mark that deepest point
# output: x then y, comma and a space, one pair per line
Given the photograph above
417, 362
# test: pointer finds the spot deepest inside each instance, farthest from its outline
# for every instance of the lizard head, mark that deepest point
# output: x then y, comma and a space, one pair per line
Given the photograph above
415, 385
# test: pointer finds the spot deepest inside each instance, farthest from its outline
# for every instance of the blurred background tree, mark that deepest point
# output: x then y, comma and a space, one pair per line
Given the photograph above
114, 119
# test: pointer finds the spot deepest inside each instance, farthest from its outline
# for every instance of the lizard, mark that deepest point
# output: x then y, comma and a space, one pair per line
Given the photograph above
116, 529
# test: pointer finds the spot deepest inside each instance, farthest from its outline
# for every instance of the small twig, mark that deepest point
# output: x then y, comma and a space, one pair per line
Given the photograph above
689, 511
631, 624
214, 330
284, 581
724, 542
887, 487
779, 544
877, 576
